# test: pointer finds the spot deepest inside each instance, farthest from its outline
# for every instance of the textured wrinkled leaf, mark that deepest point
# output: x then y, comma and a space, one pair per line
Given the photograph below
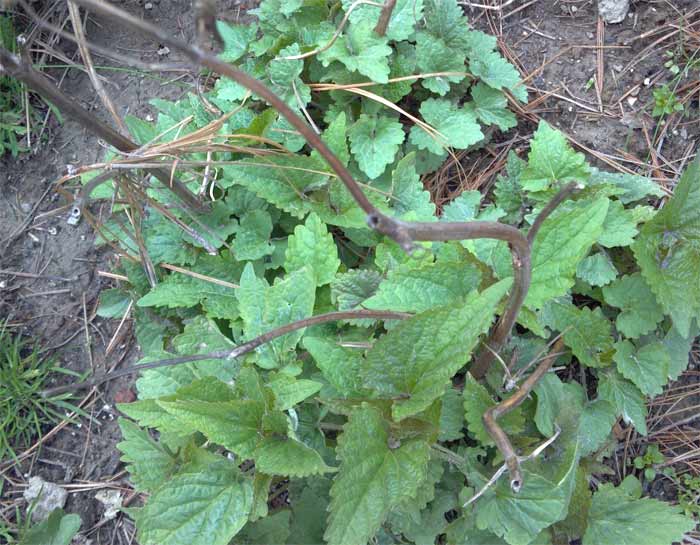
372, 479
619, 227
236, 39
597, 419
451, 416
640, 312
214, 501
289, 390
627, 399
477, 401
403, 19
410, 288
374, 141
618, 519
519, 518
279, 180
498, 73
679, 349
253, 236
57, 529
457, 126
552, 160
554, 398
408, 194
490, 107
563, 240
339, 365
463, 208
668, 251
575, 523
288, 456
414, 361
284, 77
350, 289
312, 245
307, 504
148, 462
632, 187
587, 332
597, 269
646, 366
360, 50
434, 55
263, 308
267, 531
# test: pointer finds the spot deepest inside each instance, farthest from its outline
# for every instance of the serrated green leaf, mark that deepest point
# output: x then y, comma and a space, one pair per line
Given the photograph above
350, 289
620, 226
373, 477
640, 312
519, 518
476, 401
646, 367
288, 456
414, 361
253, 236
163, 241
576, 521
498, 73
284, 77
490, 107
339, 365
445, 19
214, 501
269, 530
360, 50
57, 529
552, 160
308, 499
668, 251
408, 195
457, 127
113, 303
202, 335
617, 519
633, 188
554, 398
596, 269
627, 399
403, 19
313, 246
289, 390
597, 419
451, 416
236, 39
587, 332
279, 180
374, 141
263, 308
563, 240
424, 527
142, 131
411, 288
678, 349
463, 208
180, 290
434, 56
148, 462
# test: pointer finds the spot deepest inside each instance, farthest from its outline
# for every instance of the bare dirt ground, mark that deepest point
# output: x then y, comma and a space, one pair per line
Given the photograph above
591, 80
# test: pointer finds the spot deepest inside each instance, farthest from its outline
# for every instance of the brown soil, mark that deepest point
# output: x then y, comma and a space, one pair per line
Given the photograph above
58, 308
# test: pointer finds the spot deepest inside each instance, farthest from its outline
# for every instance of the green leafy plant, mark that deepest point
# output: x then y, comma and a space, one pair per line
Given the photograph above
24, 411
665, 101
11, 98
317, 345
652, 457
689, 495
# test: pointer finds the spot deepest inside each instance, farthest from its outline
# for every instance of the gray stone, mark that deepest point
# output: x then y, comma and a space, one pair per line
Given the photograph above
613, 11
45, 497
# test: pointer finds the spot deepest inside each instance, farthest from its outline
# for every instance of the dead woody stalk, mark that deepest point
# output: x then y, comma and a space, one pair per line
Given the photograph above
403, 233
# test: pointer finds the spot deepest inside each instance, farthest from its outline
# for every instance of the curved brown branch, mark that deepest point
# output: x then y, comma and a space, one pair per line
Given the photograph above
236, 352
494, 413
499, 335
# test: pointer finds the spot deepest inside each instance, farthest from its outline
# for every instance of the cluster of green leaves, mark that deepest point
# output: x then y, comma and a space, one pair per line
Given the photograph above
360, 419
